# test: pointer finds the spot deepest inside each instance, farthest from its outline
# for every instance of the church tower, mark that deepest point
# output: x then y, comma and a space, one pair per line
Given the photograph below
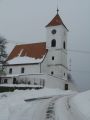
57, 48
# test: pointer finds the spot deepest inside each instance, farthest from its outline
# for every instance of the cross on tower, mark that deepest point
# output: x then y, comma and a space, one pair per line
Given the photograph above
57, 11
57, 7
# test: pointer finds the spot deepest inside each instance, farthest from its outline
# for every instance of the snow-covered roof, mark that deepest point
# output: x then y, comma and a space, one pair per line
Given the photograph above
24, 60
35, 51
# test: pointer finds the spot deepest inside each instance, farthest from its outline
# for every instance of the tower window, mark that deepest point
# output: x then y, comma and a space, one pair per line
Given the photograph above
64, 74
52, 72
52, 57
66, 86
10, 70
22, 70
53, 43
64, 45
53, 31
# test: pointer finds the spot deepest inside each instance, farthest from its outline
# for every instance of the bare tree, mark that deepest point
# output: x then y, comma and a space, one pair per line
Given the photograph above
3, 54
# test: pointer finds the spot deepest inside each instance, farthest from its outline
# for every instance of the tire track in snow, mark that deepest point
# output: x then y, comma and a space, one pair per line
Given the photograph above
50, 112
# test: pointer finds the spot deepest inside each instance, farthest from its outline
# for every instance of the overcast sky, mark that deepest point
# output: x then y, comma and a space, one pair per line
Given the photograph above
25, 20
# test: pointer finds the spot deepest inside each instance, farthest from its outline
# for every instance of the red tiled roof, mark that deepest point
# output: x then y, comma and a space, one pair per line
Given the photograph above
34, 50
56, 21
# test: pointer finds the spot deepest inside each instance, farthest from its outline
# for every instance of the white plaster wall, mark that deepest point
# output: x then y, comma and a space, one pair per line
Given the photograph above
29, 69
44, 65
64, 73
52, 82
60, 57
64, 59
34, 78
9, 80
59, 52
57, 57
49, 81
59, 64
60, 36
59, 71
56, 69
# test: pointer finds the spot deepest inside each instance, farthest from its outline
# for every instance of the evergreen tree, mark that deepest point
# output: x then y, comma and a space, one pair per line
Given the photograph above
3, 54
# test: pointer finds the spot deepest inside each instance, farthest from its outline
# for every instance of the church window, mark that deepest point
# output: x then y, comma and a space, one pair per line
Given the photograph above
64, 74
5, 81
0, 80
66, 86
52, 72
43, 83
52, 57
64, 45
14, 81
53, 31
22, 70
10, 70
53, 43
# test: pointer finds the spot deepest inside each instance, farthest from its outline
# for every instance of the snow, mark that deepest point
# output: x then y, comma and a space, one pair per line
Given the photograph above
20, 85
13, 106
62, 110
20, 52
24, 60
24, 74
57, 104
80, 105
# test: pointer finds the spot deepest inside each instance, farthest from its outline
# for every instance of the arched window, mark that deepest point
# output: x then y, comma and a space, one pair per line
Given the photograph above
22, 70
53, 43
10, 70
64, 45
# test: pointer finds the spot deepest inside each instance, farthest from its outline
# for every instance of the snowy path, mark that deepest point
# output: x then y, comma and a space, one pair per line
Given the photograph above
31, 110
50, 113
41, 109
35, 105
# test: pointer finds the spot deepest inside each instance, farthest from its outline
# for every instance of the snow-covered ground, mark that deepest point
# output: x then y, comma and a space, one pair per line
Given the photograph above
80, 105
44, 104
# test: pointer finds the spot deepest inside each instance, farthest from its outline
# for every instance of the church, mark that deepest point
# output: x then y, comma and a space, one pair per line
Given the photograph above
43, 63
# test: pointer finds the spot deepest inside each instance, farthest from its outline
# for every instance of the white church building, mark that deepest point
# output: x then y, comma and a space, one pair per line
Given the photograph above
43, 63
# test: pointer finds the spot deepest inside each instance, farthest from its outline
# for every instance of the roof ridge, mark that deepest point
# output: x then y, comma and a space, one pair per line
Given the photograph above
30, 43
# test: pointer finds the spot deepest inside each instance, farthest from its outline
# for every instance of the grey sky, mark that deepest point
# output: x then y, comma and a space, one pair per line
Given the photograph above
25, 20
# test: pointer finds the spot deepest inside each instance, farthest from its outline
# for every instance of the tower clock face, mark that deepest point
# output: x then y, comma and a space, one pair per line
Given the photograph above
53, 31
